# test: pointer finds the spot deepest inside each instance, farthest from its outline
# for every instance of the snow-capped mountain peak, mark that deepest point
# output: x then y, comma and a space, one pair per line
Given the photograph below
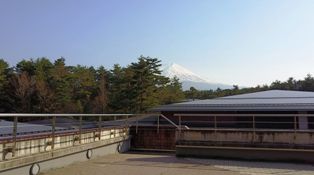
175, 70
190, 79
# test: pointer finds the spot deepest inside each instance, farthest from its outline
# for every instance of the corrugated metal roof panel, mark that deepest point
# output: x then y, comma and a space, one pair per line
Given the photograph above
6, 128
266, 100
273, 94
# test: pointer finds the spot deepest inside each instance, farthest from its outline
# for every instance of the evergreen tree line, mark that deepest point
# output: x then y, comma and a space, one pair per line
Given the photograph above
306, 84
42, 86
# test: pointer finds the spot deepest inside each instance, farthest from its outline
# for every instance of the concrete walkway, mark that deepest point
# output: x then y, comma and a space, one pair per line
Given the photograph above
139, 164
258, 168
163, 164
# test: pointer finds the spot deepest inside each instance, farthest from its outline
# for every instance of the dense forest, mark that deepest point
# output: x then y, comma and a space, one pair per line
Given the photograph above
42, 86
307, 84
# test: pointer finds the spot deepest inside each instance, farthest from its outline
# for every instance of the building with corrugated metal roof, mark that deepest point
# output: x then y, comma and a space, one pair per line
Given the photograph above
267, 125
272, 109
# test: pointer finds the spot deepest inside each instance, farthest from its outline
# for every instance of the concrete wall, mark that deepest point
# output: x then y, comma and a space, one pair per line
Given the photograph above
68, 159
286, 155
67, 149
42, 144
241, 137
270, 145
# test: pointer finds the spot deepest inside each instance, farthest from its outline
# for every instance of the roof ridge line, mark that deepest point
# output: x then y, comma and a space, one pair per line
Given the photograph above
230, 98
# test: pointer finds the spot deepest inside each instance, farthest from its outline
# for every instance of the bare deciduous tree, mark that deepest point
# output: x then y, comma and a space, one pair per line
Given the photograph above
45, 96
23, 85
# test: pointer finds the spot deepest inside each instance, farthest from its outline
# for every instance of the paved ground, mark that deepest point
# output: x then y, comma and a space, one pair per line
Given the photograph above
161, 164
259, 168
139, 164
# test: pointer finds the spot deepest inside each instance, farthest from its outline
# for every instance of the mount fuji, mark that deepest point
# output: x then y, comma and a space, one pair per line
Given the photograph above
190, 79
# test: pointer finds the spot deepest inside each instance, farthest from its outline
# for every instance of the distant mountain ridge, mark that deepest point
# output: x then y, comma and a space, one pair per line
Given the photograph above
190, 79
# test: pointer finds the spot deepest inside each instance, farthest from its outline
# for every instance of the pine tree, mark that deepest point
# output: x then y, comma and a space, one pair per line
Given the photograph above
44, 92
172, 92
120, 89
83, 83
147, 81
61, 86
5, 101
101, 99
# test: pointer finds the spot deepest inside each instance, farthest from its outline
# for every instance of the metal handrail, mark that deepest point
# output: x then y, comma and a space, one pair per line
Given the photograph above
243, 115
171, 122
254, 128
59, 115
124, 120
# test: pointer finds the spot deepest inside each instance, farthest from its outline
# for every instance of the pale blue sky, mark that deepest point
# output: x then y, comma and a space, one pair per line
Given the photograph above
228, 41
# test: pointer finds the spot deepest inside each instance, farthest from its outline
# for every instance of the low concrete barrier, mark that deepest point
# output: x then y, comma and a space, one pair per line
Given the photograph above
30, 145
273, 145
66, 150
262, 138
265, 154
